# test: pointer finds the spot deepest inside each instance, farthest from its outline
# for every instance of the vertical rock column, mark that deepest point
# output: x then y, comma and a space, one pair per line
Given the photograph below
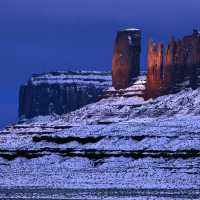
170, 65
126, 58
154, 83
182, 61
194, 59
182, 66
188, 58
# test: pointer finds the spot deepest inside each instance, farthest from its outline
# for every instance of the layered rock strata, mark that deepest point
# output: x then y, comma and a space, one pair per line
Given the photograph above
157, 142
181, 68
61, 92
137, 88
126, 58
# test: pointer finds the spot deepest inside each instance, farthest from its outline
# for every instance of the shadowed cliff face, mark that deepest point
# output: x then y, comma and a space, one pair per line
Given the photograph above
126, 58
60, 92
182, 64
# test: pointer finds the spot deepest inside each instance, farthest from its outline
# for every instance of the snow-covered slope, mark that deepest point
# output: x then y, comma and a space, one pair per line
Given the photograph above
132, 109
121, 143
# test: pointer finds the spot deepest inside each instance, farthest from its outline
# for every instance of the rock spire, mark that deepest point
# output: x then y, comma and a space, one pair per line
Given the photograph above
181, 66
126, 58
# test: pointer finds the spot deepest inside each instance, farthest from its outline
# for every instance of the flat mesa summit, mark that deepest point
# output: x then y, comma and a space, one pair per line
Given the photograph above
126, 134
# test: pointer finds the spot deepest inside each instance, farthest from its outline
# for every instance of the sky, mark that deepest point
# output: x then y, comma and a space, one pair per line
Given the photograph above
62, 35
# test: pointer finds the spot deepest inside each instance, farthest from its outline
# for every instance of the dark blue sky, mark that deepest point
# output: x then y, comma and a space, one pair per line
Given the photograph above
50, 35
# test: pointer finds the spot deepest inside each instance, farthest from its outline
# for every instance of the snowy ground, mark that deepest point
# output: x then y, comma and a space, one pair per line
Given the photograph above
123, 148
128, 110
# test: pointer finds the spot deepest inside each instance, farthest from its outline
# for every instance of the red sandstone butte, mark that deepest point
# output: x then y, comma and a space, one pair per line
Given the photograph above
126, 58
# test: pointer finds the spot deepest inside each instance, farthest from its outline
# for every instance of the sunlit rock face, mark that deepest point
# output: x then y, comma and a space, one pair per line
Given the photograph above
181, 66
61, 92
154, 80
126, 58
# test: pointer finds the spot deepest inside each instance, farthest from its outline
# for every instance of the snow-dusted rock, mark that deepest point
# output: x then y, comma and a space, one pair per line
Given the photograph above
117, 146
61, 92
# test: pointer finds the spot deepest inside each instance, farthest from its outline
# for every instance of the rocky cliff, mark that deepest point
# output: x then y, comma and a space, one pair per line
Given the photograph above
126, 58
181, 66
61, 92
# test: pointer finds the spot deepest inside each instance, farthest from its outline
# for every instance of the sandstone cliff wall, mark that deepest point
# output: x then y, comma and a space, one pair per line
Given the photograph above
60, 92
181, 66
126, 58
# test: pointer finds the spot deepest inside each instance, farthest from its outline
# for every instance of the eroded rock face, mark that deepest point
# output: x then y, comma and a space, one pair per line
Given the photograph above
60, 92
170, 64
154, 80
182, 66
126, 58
188, 58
